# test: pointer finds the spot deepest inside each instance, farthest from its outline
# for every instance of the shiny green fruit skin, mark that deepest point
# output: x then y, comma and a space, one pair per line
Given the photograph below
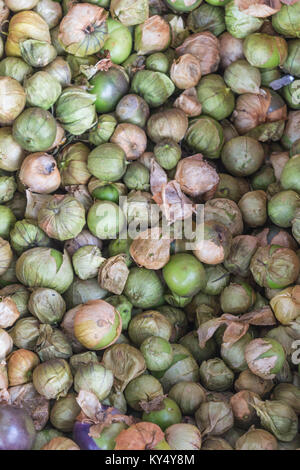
180, 5
107, 193
184, 274
119, 42
109, 87
220, 3
164, 418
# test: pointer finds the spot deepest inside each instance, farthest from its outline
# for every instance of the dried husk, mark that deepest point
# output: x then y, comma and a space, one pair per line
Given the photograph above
259, 8
52, 343
205, 47
175, 205
126, 363
81, 193
9, 312
188, 102
67, 326
251, 382
250, 111
6, 344
275, 236
185, 71
231, 49
256, 439
151, 249
53, 378
3, 377
37, 406
83, 30
196, 176
84, 238
39, 173
139, 436
20, 366
34, 203
236, 327
213, 247
94, 320
214, 418
131, 138
243, 411
60, 443
171, 123
113, 274
286, 305
152, 36
242, 249
278, 161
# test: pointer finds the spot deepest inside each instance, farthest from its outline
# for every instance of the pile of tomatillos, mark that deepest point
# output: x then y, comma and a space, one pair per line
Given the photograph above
119, 120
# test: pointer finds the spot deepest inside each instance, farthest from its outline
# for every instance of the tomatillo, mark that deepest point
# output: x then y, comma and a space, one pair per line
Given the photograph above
184, 274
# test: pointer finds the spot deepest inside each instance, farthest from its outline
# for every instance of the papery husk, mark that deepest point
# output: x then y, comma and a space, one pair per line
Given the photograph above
67, 326
278, 418
196, 176
39, 173
242, 249
139, 436
151, 249
286, 305
98, 318
268, 131
243, 411
62, 218
84, 238
275, 236
81, 193
113, 274
126, 363
60, 138
34, 203
98, 416
158, 176
261, 358
236, 327
52, 344
20, 366
12, 100
205, 47
3, 378
251, 382
53, 378
37, 406
178, 29
175, 205
225, 212
214, 244
6, 256
25, 25
152, 36
278, 161
6, 344
9, 312
60, 443
129, 12
214, 417
171, 123
131, 138
231, 49
250, 111
4, 12
188, 102
82, 359
185, 71
256, 439
80, 21
259, 8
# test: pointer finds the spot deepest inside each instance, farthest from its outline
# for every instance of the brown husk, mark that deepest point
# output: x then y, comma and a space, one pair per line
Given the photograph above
188, 102
259, 8
9, 312
113, 274
196, 176
175, 205
205, 47
139, 436
151, 249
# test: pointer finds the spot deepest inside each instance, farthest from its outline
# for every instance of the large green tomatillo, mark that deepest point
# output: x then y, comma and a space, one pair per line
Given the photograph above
217, 100
109, 87
138, 294
35, 130
184, 274
75, 110
119, 41
183, 5
42, 90
45, 267
107, 162
287, 20
168, 413
154, 87
105, 219
265, 51
205, 135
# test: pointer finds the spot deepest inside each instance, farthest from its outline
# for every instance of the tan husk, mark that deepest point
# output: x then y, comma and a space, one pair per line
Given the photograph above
60, 443
231, 49
155, 35
39, 173
196, 176
151, 249
126, 363
258, 8
34, 203
185, 71
113, 274
139, 436
20, 366
278, 161
131, 138
175, 205
9, 312
6, 344
188, 102
236, 327
250, 111
205, 47
3, 375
